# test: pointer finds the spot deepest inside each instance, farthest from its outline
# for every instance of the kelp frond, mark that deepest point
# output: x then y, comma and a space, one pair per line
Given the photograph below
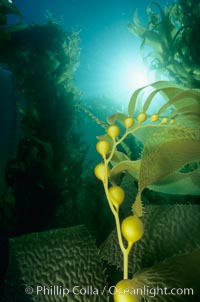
170, 136
170, 40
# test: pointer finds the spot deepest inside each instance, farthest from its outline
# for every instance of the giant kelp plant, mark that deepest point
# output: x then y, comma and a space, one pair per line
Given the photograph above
42, 60
45, 163
170, 40
169, 163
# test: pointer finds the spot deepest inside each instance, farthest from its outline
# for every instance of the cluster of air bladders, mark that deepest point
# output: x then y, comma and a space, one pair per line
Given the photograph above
131, 228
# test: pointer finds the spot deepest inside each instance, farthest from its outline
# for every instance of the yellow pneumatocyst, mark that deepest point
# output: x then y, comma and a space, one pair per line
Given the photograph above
164, 120
132, 229
101, 170
125, 292
103, 147
116, 195
113, 131
129, 122
141, 117
154, 117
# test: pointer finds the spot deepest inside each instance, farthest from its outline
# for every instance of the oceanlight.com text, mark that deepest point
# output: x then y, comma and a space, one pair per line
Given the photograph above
152, 291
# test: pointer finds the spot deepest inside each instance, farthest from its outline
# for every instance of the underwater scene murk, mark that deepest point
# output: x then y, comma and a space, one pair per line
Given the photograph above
100, 151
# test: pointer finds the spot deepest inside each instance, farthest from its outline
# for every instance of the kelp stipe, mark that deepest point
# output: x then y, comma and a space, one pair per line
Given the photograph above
115, 194
171, 140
